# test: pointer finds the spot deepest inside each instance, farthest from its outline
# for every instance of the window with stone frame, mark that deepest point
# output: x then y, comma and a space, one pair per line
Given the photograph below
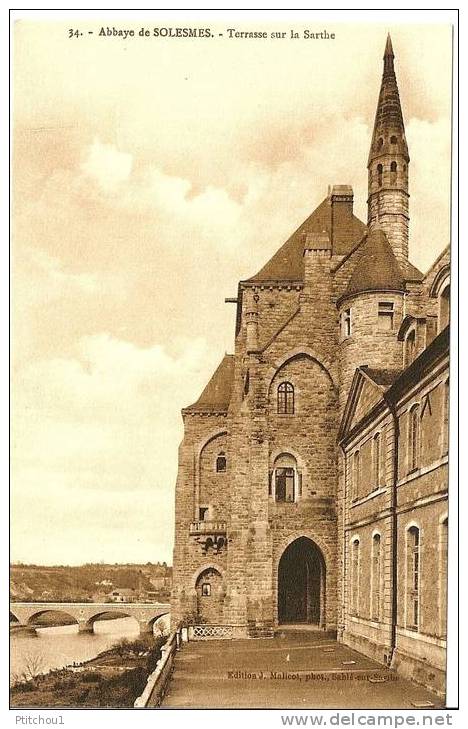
414, 438
443, 574
376, 461
445, 416
285, 399
285, 484
385, 315
355, 576
413, 577
376, 578
221, 463
356, 475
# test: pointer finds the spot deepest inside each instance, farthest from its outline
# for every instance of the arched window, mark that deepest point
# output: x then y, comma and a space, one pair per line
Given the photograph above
414, 438
285, 478
393, 139
286, 399
410, 347
443, 563
376, 458
355, 570
376, 578
393, 172
413, 574
444, 307
379, 175
379, 144
221, 463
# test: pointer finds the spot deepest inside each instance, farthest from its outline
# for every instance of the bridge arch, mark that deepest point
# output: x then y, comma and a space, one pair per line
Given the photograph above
34, 618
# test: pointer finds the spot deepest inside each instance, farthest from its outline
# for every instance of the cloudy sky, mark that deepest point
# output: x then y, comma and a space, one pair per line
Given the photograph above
150, 175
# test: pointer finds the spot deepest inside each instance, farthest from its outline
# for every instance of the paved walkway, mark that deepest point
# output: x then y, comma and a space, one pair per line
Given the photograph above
293, 671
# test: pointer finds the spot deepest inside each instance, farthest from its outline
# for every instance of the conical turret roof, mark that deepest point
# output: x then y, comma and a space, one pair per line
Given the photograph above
377, 268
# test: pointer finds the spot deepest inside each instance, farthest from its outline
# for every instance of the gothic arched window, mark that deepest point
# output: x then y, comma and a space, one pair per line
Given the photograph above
286, 399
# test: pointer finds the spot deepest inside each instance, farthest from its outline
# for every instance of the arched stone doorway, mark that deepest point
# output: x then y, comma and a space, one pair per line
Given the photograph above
301, 584
210, 596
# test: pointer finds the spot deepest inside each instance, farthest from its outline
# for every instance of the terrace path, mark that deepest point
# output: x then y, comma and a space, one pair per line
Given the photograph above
248, 674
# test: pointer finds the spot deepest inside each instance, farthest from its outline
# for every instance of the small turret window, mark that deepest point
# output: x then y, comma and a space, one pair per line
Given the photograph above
385, 315
393, 173
346, 323
379, 175
379, 144
393, 139
286, 399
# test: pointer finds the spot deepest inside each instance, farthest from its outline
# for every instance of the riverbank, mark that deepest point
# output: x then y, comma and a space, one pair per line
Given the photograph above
113, 679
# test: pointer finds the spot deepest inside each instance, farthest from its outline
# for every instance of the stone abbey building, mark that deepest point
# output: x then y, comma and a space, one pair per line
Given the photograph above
313, 472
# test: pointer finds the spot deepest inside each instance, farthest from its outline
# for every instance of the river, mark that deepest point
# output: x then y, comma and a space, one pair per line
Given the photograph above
62, 645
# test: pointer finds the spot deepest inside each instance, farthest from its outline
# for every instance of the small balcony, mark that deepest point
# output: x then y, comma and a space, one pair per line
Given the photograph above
209, 528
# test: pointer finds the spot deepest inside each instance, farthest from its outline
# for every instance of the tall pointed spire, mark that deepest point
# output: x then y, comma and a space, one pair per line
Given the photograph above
388, 163
388, 117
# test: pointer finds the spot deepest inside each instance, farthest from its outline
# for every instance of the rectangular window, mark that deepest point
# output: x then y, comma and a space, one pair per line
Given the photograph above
412, 578
346, 323
385, 315
206, 589
376, 577
202, 513
284, 481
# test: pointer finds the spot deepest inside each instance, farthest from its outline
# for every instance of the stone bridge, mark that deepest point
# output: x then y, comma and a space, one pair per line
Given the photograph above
86, 613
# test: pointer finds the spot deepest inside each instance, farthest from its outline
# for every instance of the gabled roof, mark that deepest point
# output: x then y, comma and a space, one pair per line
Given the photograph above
377, 268
379, 379
217, 394
287, 264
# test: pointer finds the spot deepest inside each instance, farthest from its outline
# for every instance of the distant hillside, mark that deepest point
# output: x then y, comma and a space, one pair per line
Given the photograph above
89, 582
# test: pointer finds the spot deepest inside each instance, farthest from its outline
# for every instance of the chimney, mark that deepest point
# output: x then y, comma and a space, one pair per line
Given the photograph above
341, 217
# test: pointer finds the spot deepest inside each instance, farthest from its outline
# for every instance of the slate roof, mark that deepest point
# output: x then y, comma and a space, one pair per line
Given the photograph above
383, 377
377, 268
287, 264
217, 394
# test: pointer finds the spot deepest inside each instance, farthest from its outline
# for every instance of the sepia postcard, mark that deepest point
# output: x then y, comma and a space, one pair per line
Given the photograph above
231, 255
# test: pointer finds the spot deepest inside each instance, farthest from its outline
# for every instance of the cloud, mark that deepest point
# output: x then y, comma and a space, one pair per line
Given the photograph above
107, 165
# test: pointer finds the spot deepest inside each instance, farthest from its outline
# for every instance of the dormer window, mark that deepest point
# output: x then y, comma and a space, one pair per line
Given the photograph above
385, 315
